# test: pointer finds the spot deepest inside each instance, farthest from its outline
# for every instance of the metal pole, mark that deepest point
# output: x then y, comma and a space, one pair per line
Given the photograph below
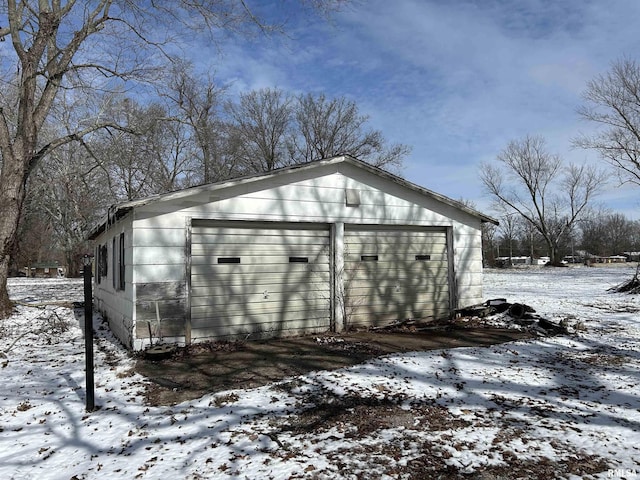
88, 333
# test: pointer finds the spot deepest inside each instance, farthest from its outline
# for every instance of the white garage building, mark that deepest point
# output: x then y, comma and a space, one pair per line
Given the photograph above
325, 246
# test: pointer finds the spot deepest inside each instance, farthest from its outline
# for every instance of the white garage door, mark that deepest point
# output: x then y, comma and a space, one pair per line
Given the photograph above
260, 279
394, 274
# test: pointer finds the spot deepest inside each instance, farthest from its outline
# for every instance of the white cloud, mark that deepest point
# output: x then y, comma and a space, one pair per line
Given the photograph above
456, 80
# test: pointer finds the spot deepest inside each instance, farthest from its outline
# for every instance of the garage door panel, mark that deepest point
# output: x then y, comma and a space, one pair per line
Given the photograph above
272, 298
311, 238
399, 299
364, 317
392, 232
425, 254
404, 279
203, 318
205, 249
257, 274
260, 278
257, 309
393, 288
406, 253
402, 251
297, 318
222, 262
398, 312
270, 286
209, 231
223, 257
259, 256
382, 271
265, 326
362, 238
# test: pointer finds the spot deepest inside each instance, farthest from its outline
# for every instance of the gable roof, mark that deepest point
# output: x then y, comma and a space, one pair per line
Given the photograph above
119, 210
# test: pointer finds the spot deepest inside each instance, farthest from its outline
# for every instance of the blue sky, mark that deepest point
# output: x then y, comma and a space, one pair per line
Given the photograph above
455, 80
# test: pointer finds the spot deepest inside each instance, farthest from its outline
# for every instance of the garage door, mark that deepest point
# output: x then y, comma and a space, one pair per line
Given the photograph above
259, 279
394, 274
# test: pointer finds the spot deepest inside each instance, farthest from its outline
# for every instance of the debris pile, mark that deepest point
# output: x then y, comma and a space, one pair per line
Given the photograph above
630, 286
516, 313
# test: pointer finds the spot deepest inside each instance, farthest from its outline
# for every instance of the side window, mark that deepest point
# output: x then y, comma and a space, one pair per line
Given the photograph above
121, 267
98, 256
114, 264
102, 262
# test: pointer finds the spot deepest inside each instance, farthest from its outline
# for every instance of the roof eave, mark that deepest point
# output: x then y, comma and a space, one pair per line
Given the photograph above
120, 210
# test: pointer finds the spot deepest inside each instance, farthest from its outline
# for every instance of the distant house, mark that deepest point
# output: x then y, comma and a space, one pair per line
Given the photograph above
330, 245
512, 261
609, 259
541, 261
615, 259
44, 270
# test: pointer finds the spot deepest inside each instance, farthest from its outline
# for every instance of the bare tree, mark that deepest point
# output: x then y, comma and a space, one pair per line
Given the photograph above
509, 226
612, 100
606, 233
489, 241
156, 154
196, 102
65, 188
133, 163
36, 232
93, 44
533, 183
327, 127
260, 127
269, 129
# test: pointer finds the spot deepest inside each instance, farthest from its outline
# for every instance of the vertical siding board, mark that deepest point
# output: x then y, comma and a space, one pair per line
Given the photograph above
188, 256
338, 294
453, 280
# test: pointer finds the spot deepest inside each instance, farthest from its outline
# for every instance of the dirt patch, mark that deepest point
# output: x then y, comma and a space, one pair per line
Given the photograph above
364, 418
212, 367
358, 417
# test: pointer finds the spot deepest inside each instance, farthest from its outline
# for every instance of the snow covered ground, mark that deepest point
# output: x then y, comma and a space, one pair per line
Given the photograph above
566, 406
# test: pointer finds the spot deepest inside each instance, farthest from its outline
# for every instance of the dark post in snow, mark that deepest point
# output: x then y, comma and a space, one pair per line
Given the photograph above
88, 332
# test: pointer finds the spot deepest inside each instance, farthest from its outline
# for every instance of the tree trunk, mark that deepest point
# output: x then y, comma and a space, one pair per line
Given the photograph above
553, 255
12, 179
6, 307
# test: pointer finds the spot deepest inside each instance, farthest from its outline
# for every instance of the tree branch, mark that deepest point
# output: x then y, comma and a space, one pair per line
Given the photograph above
75, 136
5, 136
57, 72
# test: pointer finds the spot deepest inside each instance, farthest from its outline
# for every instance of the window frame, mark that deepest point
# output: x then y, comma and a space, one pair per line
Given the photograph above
121, 285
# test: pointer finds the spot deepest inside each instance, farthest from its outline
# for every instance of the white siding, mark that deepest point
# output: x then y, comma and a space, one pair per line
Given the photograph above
116, 305
322, 199
320, 209
161, 230
467, 245
159, 276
